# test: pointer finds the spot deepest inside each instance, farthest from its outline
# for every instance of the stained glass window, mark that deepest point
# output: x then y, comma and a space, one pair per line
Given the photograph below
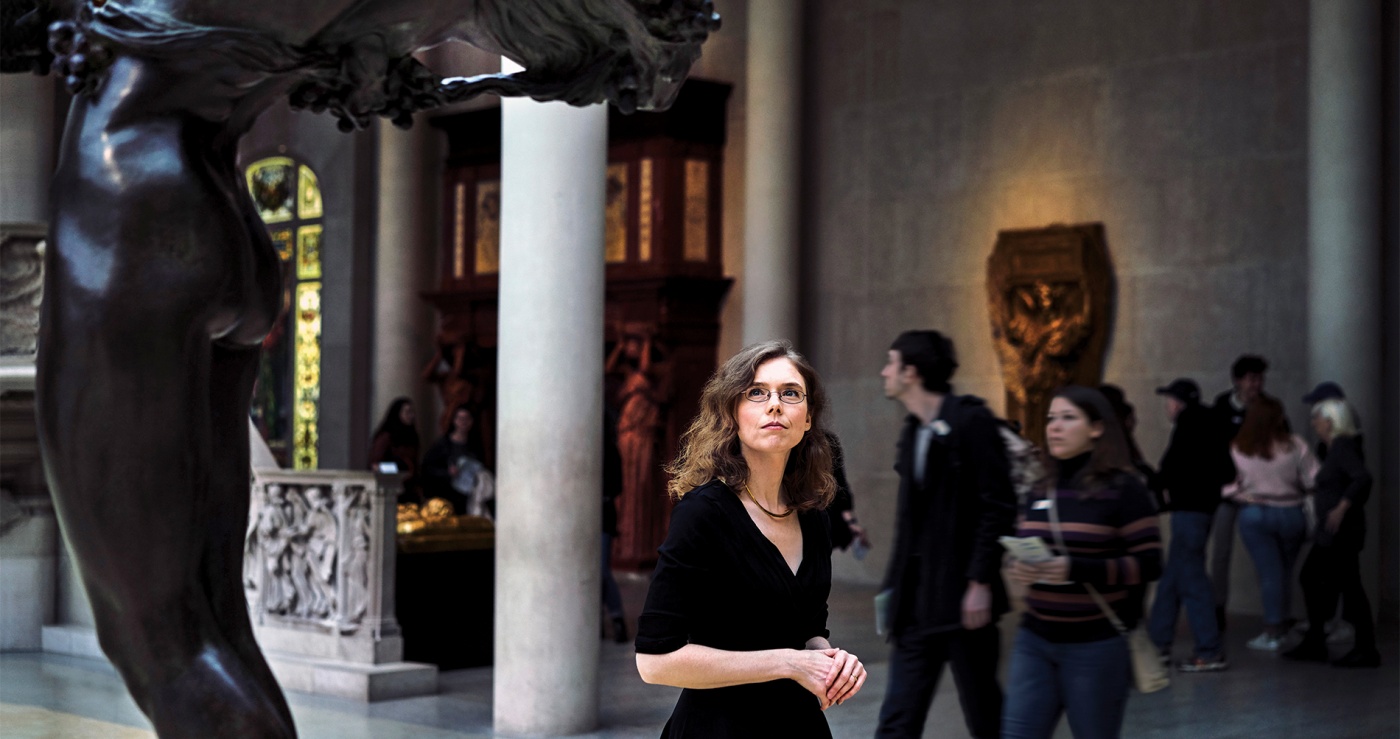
287, 395
272, 184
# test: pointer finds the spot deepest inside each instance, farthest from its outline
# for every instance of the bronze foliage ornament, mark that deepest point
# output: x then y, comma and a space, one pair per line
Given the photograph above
1049, 295
161, 282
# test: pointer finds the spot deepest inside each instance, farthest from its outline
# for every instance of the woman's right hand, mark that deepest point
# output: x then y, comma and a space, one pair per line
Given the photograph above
810, 668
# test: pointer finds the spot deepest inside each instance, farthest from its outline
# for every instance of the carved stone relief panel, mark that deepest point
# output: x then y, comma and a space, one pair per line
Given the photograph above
21, 288
308, 554
1049, 296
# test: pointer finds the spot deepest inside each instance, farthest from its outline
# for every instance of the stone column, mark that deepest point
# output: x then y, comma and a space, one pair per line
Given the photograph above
26, 160
771, 187
1344, 221
550, 370
404, 266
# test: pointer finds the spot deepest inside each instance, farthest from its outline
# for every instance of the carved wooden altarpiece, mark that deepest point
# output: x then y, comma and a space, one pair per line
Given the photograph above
1049, 294
665, 282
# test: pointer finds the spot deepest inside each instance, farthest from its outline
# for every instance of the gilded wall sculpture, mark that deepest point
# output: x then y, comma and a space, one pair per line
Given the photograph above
1049, 294
161, 281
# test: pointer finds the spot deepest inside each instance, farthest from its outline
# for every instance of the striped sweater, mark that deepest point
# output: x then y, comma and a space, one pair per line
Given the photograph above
1113, 545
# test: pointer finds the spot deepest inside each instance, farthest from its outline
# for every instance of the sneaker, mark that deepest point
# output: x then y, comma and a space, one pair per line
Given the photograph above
1204, 664
1264, 642
1340, 632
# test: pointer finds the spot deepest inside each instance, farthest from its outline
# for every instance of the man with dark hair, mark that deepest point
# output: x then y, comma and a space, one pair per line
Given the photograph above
944, 578
1192, 472
1247, 378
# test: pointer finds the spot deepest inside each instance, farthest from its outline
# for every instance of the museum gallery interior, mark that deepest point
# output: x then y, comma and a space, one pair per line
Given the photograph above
1074, 191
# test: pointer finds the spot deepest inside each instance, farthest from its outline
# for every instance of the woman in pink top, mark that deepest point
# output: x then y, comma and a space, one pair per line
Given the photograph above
1275, 472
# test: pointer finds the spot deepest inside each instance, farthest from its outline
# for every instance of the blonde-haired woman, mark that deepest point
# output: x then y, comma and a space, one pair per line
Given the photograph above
736, 613
1332, 569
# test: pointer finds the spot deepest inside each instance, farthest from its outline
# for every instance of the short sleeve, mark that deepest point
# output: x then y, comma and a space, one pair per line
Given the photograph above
681, 579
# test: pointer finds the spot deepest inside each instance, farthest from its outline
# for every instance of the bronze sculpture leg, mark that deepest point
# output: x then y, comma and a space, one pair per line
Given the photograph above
158, 288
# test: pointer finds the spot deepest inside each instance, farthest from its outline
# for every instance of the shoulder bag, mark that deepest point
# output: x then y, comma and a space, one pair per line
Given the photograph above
1149, 674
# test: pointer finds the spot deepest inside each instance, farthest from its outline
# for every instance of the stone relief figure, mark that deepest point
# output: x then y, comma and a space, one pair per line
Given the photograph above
1048, 296
159, 265
21, 289
357, 569
274, 543
322, 540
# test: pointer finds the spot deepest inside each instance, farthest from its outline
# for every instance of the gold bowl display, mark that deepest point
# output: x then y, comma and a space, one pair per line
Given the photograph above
433, 527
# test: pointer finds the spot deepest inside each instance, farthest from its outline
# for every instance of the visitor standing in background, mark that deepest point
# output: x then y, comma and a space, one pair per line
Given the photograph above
1247, 379
395, 441
1343, 485
1190, 491
1274, 469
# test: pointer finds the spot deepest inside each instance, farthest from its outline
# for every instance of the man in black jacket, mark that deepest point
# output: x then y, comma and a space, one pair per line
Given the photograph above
1247, 381
1193, 470
944, 577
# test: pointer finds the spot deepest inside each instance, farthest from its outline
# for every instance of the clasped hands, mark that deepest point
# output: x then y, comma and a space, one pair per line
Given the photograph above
832, 675
1054, 571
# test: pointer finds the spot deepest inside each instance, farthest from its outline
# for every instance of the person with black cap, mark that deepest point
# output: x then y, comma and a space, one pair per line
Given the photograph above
1324, 391
1247, 383
1191, 474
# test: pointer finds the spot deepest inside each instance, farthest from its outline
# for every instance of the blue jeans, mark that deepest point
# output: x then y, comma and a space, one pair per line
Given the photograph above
1184, 583
1273, 536
1224, 547
1087, 682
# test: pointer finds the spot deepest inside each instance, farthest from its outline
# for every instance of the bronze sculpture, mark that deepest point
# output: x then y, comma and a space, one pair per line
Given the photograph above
161, 283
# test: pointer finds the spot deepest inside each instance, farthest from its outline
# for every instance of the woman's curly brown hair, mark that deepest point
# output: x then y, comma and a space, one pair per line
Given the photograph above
710, 447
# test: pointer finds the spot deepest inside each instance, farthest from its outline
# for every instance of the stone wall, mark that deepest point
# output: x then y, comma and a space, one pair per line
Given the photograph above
933, 125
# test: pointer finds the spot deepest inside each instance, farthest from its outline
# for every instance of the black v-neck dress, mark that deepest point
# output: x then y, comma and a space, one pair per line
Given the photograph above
721, 583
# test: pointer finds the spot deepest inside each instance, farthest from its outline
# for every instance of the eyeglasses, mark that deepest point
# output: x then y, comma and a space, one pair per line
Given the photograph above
788, 395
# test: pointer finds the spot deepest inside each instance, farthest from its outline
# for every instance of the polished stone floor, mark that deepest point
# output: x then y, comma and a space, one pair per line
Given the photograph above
1260, 696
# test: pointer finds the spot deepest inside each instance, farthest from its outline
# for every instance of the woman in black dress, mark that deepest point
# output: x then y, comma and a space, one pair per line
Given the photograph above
736, 613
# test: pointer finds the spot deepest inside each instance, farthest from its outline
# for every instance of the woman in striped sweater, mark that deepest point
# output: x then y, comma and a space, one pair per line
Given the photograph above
1069, 658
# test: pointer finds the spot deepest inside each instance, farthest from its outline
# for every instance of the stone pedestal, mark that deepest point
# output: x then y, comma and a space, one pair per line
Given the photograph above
318, 570
28, 562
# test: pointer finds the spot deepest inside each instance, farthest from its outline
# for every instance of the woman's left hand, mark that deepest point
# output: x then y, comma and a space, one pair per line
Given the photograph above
846, 678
